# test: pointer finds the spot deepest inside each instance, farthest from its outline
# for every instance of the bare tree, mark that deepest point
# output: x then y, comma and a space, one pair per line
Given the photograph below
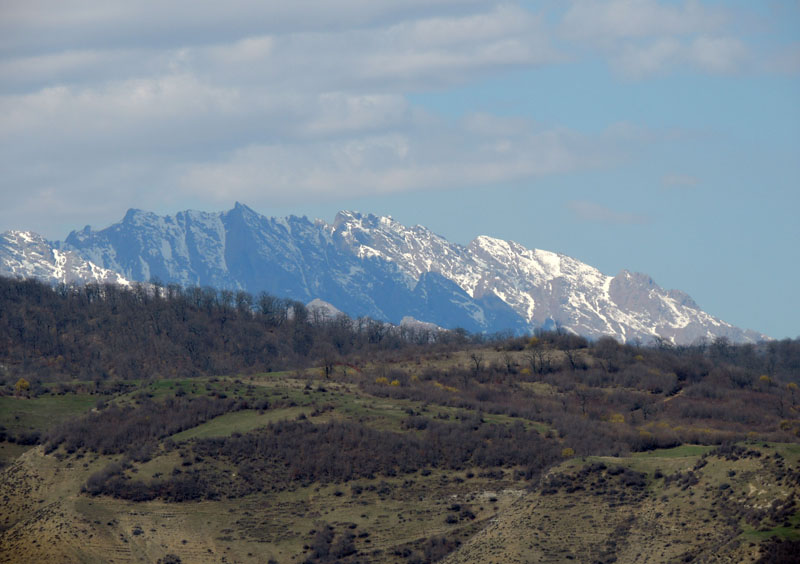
508, 360
539, 360
477, 361
584, 395
572, 357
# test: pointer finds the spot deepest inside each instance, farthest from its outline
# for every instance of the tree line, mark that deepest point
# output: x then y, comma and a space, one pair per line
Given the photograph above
98, 332
102, 332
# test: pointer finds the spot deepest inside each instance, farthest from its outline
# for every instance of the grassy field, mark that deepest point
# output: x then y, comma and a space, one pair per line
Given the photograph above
682, 451
22, 415
19, 414
239, 421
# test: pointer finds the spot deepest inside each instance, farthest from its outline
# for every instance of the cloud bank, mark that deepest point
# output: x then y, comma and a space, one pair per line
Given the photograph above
109, 104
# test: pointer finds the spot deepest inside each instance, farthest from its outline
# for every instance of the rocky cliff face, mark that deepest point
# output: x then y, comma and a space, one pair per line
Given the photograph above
27, 255
543, 288
375, 266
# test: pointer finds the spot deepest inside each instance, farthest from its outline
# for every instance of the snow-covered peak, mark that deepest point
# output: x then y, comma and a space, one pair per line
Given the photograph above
24, 237
415, 250
25, 254
541, 286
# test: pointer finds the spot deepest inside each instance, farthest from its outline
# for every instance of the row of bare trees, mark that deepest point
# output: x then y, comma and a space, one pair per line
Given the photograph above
98, 332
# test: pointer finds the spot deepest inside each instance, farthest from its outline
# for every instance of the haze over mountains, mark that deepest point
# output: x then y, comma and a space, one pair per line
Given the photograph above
373, 266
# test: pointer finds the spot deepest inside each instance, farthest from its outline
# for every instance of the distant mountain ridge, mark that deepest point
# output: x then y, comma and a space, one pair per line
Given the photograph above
375, 266
29, 255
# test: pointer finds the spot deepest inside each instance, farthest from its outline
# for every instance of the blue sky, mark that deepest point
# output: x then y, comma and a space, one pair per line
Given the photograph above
658, 136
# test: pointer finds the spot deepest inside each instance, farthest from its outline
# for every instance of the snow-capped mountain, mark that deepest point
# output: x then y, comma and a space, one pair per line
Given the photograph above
540, 286
290, 257
25, 254
375, 266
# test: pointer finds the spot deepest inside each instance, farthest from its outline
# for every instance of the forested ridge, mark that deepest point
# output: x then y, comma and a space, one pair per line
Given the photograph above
187, 394
96, 332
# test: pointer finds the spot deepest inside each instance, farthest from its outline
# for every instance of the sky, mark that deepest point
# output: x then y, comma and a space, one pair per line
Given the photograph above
655, 136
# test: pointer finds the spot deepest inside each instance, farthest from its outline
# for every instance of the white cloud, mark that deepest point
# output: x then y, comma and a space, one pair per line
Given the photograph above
620, 19
425, 52
645, 37
51, 66
422, 157
717, 54
334, 113
29, 26
245, 51
303, 99
309, 88
639, 60
134, 108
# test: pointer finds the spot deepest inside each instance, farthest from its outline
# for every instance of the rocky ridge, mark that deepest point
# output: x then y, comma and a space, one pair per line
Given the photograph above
373, 266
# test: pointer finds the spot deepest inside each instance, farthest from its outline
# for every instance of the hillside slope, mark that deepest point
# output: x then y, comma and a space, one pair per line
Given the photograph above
667, 506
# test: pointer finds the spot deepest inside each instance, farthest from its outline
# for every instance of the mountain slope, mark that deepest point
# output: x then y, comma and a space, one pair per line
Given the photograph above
28, 255
291, 257
540, 286
375, 266
239, 249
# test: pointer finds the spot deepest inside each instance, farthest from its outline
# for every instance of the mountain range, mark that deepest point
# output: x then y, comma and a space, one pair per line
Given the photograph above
365, 265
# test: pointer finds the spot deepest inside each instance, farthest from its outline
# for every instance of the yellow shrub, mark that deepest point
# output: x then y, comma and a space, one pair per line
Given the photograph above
395, 383
22, 385
382, 380
567, 452
616, 418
